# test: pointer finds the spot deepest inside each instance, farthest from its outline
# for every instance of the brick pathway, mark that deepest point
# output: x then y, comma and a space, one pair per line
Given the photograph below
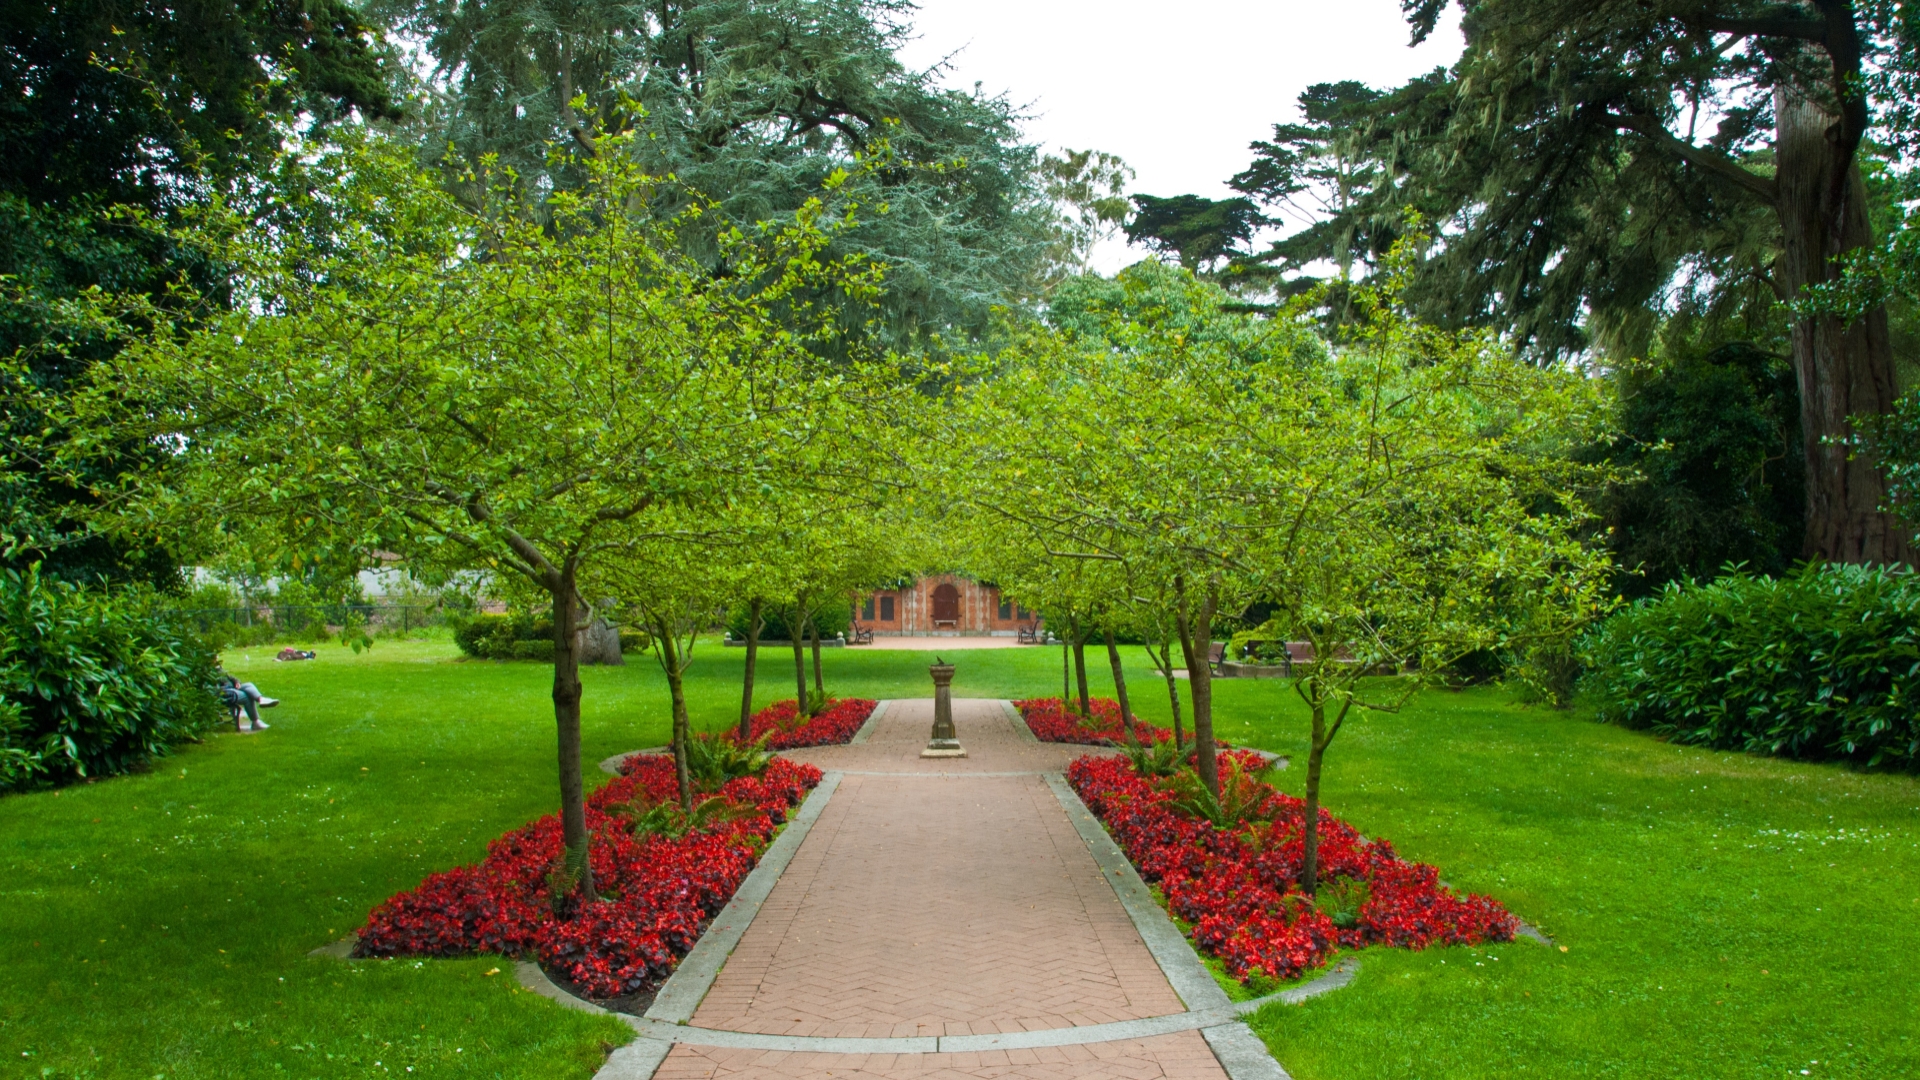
941, 897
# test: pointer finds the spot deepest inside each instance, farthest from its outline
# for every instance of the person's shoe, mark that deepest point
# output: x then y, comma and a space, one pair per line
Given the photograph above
269, 702
259, 725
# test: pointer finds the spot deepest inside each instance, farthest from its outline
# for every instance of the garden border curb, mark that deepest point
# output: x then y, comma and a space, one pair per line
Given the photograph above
683, 991
872, 723
611, 766
1019, 722
1181, 965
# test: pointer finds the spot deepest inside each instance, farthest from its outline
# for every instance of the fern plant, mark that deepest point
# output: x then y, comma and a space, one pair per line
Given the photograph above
1242, 796
714, 759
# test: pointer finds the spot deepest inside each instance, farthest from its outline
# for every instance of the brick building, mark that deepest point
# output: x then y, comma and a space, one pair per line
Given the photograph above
942, 604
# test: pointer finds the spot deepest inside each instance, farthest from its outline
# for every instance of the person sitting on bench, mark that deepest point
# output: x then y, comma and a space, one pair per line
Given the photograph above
244, 697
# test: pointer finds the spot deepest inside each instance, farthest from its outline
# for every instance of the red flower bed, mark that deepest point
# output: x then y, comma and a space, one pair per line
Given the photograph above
1050, 721
836, 725
656, 894
1239, 887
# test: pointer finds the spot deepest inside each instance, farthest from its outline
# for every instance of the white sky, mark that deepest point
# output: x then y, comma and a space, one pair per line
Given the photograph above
1178, 90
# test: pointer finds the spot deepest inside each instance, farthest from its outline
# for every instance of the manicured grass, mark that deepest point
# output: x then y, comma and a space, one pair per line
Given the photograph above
159, 925
1723, 915
1674, 877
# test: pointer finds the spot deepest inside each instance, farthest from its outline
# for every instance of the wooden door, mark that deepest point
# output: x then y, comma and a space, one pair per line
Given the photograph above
946, 606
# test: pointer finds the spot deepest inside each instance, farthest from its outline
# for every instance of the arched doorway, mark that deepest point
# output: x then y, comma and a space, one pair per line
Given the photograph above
946, 606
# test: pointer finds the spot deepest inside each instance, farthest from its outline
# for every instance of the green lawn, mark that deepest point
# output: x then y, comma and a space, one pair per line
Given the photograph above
1723, 916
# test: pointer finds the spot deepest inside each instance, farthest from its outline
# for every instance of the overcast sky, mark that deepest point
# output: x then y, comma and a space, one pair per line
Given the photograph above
1177, 89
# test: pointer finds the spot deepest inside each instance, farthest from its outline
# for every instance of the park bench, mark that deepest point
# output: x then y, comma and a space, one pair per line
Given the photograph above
1030, 634
859, 635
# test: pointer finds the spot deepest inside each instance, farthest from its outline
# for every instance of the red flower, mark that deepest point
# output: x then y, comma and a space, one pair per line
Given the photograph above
1050, 721
835, 725
1240, 887
657, 895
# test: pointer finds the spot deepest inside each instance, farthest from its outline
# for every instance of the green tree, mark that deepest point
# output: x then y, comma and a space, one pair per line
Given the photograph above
119, 116
1399, 501
481, 388
1585, 198
756, 104
1316, 174
1199, 232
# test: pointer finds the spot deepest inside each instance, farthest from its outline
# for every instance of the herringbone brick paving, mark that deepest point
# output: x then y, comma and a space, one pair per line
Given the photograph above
932, 898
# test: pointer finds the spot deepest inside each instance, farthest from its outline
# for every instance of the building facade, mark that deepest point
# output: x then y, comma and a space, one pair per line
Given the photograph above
942, 604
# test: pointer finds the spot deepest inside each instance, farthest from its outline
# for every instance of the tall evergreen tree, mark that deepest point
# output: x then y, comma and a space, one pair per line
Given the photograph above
756, 104
1568, 155
116, 114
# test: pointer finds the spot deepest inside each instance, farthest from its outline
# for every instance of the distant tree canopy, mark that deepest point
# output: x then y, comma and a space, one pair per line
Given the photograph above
114, 116
1198, 231
757, 104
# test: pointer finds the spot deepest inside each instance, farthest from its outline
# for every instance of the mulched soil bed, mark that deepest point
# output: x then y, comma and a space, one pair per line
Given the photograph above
657, 893
1239, 886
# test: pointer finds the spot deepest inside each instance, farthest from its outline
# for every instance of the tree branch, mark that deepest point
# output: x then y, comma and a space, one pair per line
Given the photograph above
1710, 160
1780, 22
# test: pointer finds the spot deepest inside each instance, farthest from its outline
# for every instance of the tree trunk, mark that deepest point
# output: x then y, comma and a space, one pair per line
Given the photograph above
1080, 668
754, 625
1173, 690
819, 684
566, 719
1844, 369
1316, 753
600, 641
1066, 676
677, 693
799, 658
1196, 640
1120, 687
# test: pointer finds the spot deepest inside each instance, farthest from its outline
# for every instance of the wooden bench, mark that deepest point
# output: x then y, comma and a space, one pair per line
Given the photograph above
859, 635
1030, 634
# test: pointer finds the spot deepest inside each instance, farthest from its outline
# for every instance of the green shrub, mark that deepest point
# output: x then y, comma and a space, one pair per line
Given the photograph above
1820, 664
832, 620
477, 635
635, 641
94, 683
499, 637
541, 650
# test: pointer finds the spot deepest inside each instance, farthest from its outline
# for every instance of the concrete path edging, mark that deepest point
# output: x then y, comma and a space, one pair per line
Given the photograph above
681, 994
1019, 723
872, 724
1182, 966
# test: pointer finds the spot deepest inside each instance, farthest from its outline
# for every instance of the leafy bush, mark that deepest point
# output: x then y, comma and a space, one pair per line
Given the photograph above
533, 650
635, 641
505, 637
1819, 664
832, 621
93, 683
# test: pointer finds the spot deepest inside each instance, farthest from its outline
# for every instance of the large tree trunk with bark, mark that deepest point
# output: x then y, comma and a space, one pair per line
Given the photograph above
1843, 368
754, 625
566, 719
600, 640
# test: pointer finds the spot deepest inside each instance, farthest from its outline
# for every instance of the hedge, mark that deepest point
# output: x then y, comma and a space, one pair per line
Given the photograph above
1821, 664
94, 682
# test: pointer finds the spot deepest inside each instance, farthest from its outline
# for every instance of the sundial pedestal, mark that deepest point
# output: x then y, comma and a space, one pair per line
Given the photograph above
945, 742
